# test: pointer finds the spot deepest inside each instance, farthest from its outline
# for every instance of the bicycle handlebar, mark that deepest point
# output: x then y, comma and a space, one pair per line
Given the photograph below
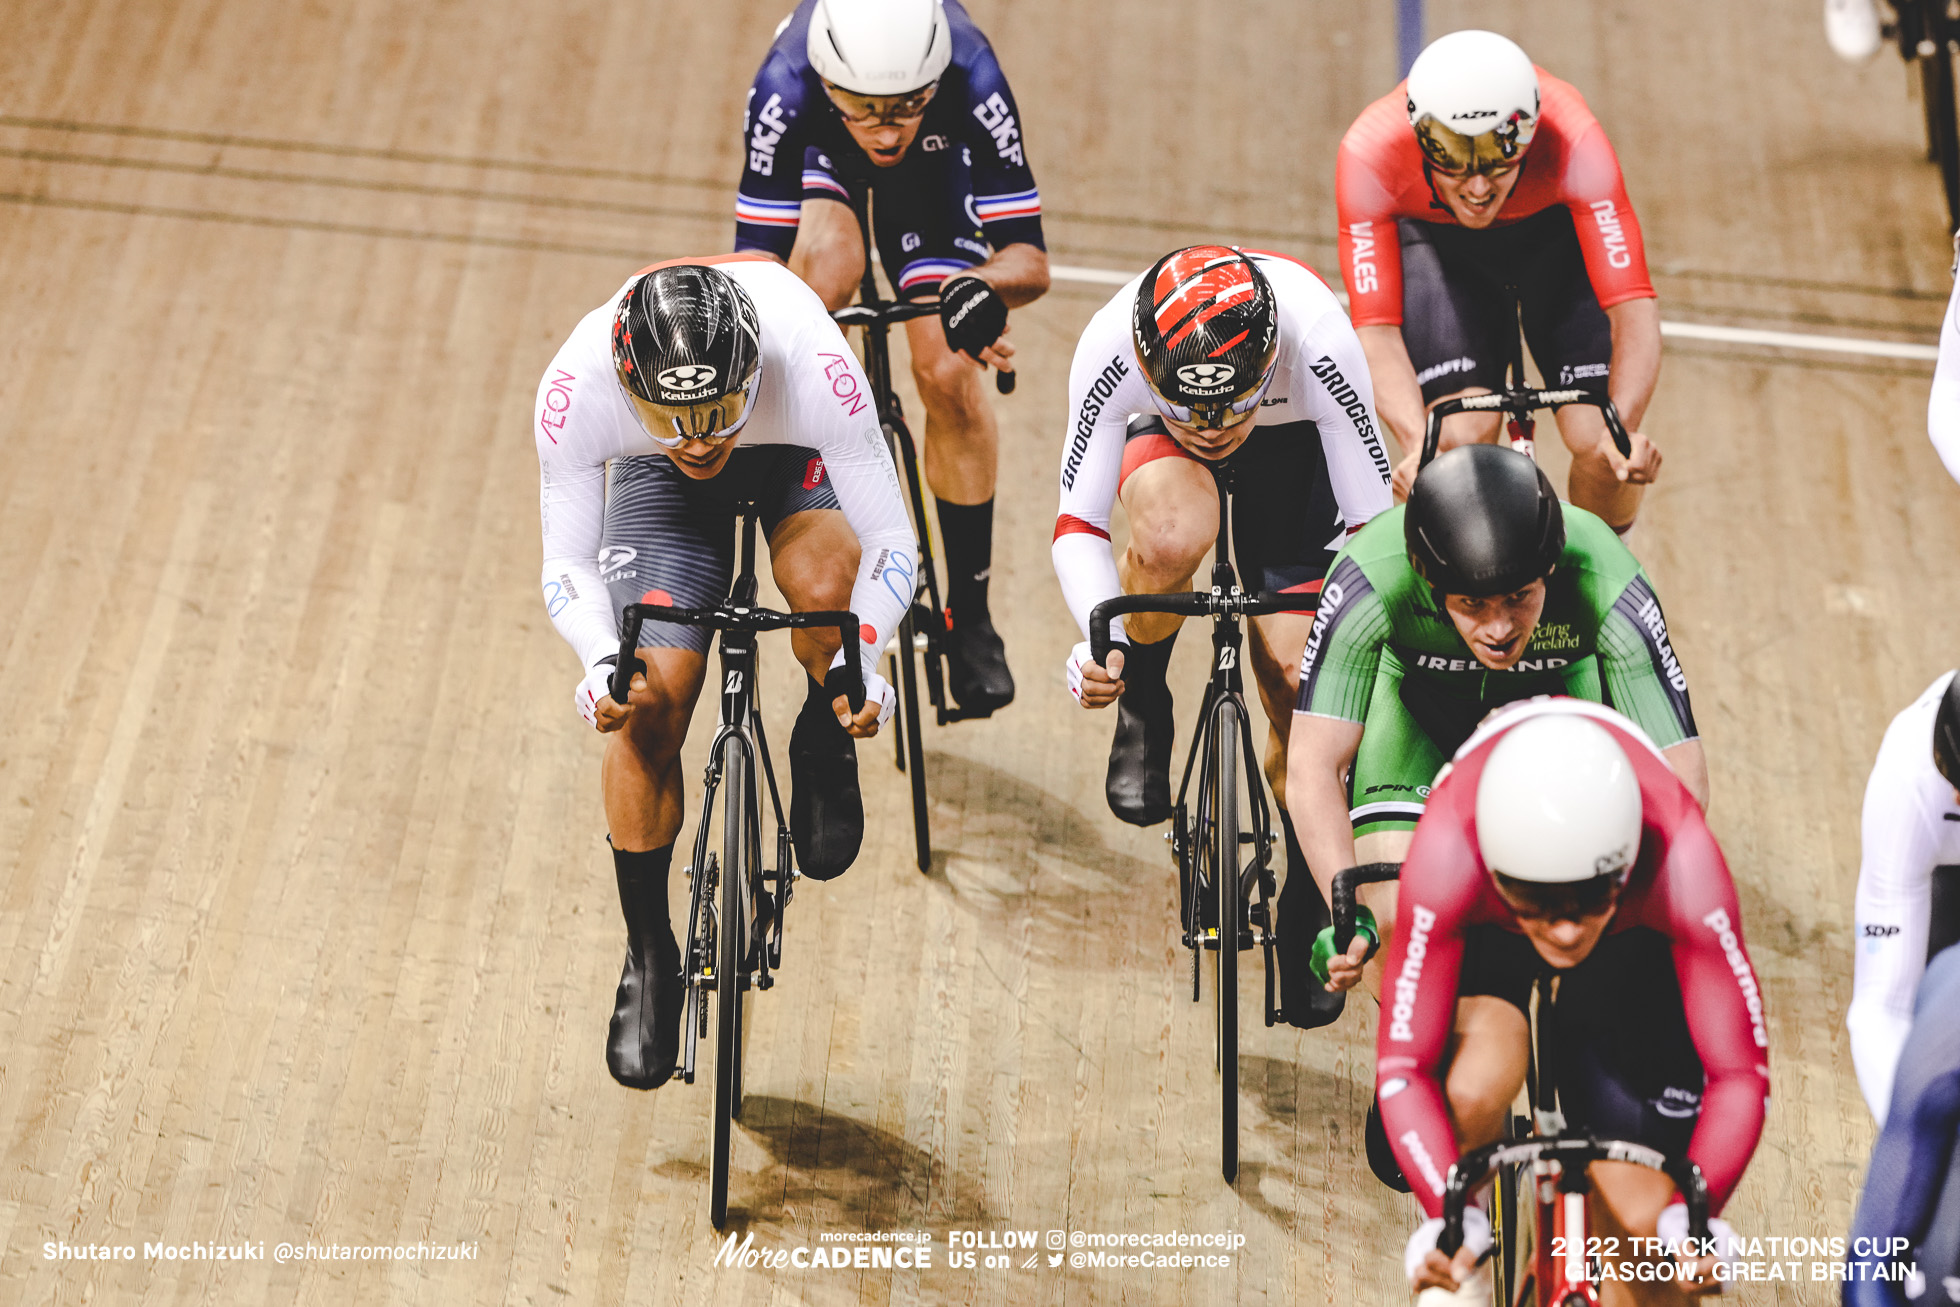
1570, 1151
726, 618
887, 312
1518, 403
1195, 603
1345, 883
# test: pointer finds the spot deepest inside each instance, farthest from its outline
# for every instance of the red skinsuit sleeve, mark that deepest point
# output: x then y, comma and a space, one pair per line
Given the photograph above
1590, 185
1370, 242
1695, 905
1435, 901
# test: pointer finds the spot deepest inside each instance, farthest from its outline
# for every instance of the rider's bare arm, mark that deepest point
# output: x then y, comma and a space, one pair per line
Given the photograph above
1318, 754
1636, 327
1018, 273
1398, 396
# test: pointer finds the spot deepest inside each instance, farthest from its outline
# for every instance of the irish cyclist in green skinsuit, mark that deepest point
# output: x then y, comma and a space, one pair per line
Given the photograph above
1481, 591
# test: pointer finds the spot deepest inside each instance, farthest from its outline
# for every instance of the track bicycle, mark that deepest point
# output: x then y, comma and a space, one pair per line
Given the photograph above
1225, 901
1543, 1251
922, 634
1518, 401
737, 944
1928, 34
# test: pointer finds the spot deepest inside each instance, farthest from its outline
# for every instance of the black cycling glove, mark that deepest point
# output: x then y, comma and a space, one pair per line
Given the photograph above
972, 313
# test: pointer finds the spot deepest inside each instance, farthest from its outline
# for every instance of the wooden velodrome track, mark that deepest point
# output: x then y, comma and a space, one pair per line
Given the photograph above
307, 926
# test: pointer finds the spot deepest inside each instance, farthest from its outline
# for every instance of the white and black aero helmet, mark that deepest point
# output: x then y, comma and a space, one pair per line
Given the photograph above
687, 346
1473, 101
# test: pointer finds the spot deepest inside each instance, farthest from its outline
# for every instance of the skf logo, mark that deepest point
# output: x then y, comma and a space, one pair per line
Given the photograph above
768, 129
998, 119
1207, 378
686, 378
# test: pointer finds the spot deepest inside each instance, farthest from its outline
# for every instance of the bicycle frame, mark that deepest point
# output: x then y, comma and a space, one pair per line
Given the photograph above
1226, 604
739, 620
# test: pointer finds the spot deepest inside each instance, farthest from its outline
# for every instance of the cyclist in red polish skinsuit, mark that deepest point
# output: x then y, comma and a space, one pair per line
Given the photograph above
1433, 227
1657, 1029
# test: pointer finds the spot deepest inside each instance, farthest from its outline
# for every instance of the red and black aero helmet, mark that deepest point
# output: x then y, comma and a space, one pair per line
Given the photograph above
687, 345
1207, 331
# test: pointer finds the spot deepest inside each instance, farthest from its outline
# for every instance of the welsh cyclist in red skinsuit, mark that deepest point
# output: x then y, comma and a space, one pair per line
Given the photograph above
1482, 172
1559, 838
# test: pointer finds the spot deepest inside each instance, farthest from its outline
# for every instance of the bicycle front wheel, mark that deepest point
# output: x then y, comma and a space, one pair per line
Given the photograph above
738, 881
1225, 884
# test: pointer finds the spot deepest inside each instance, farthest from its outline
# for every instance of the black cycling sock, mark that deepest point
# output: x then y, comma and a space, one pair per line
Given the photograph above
1146, 666
643, 895
1297, 872
967, 530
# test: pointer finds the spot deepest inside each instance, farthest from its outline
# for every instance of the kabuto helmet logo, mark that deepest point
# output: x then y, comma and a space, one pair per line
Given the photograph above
1207, 378
686, 379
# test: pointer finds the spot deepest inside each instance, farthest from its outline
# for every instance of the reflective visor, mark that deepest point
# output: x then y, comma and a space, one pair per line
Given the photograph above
708, 420
1219, 413
1495, 151
1562, 901
879, 110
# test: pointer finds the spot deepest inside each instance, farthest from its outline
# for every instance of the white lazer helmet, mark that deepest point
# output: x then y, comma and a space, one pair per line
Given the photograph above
1473, 101
1558, 815
880, 47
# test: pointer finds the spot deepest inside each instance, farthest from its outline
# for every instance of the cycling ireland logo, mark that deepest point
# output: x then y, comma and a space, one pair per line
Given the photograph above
686, 378
1206, 378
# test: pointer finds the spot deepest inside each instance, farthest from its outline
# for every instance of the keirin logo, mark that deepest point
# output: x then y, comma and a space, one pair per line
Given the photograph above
1207, 377
687, 377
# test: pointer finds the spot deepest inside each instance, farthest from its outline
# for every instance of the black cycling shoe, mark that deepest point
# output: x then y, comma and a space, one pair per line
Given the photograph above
1303, 1000
1381, 1157
826, 809
1139, 783
644, 1040
976, 666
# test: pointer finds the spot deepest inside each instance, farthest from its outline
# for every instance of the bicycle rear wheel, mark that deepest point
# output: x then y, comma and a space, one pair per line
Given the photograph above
1942, 125
914, 742
1225, 884
738, 880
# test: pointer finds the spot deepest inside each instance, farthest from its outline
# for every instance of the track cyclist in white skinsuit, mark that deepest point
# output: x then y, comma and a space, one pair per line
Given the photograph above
1246, 367
703, 382
1911, 825
1943, 407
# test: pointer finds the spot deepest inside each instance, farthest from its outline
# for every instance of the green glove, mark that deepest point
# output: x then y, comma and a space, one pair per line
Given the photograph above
1323, 943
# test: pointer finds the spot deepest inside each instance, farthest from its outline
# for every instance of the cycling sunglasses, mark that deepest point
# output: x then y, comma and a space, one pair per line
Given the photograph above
879, 110
1218, 416
708, 421
1570, 901
1492, 153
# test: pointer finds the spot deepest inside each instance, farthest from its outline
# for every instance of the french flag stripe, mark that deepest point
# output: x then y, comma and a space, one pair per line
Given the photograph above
823, 181
929, 270
1021, 204
769, 213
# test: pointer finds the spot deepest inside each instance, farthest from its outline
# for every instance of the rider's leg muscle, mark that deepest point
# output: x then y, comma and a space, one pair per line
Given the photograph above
1489, 1054
962, 438
1172, 504
640, 776
829, 251
815, 556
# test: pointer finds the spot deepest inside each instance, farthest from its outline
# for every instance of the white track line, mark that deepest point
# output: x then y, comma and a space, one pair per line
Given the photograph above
1890, 349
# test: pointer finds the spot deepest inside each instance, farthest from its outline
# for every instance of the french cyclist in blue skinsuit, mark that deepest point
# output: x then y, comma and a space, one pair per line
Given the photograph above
906, 99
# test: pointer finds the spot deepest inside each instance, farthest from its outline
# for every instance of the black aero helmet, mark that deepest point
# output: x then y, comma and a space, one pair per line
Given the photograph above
1483, 520
687, 345
1946, 734
1207, 331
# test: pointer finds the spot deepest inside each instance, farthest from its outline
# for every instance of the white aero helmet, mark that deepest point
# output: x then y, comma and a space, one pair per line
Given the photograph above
880, 47
1559, 814
1473, 101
